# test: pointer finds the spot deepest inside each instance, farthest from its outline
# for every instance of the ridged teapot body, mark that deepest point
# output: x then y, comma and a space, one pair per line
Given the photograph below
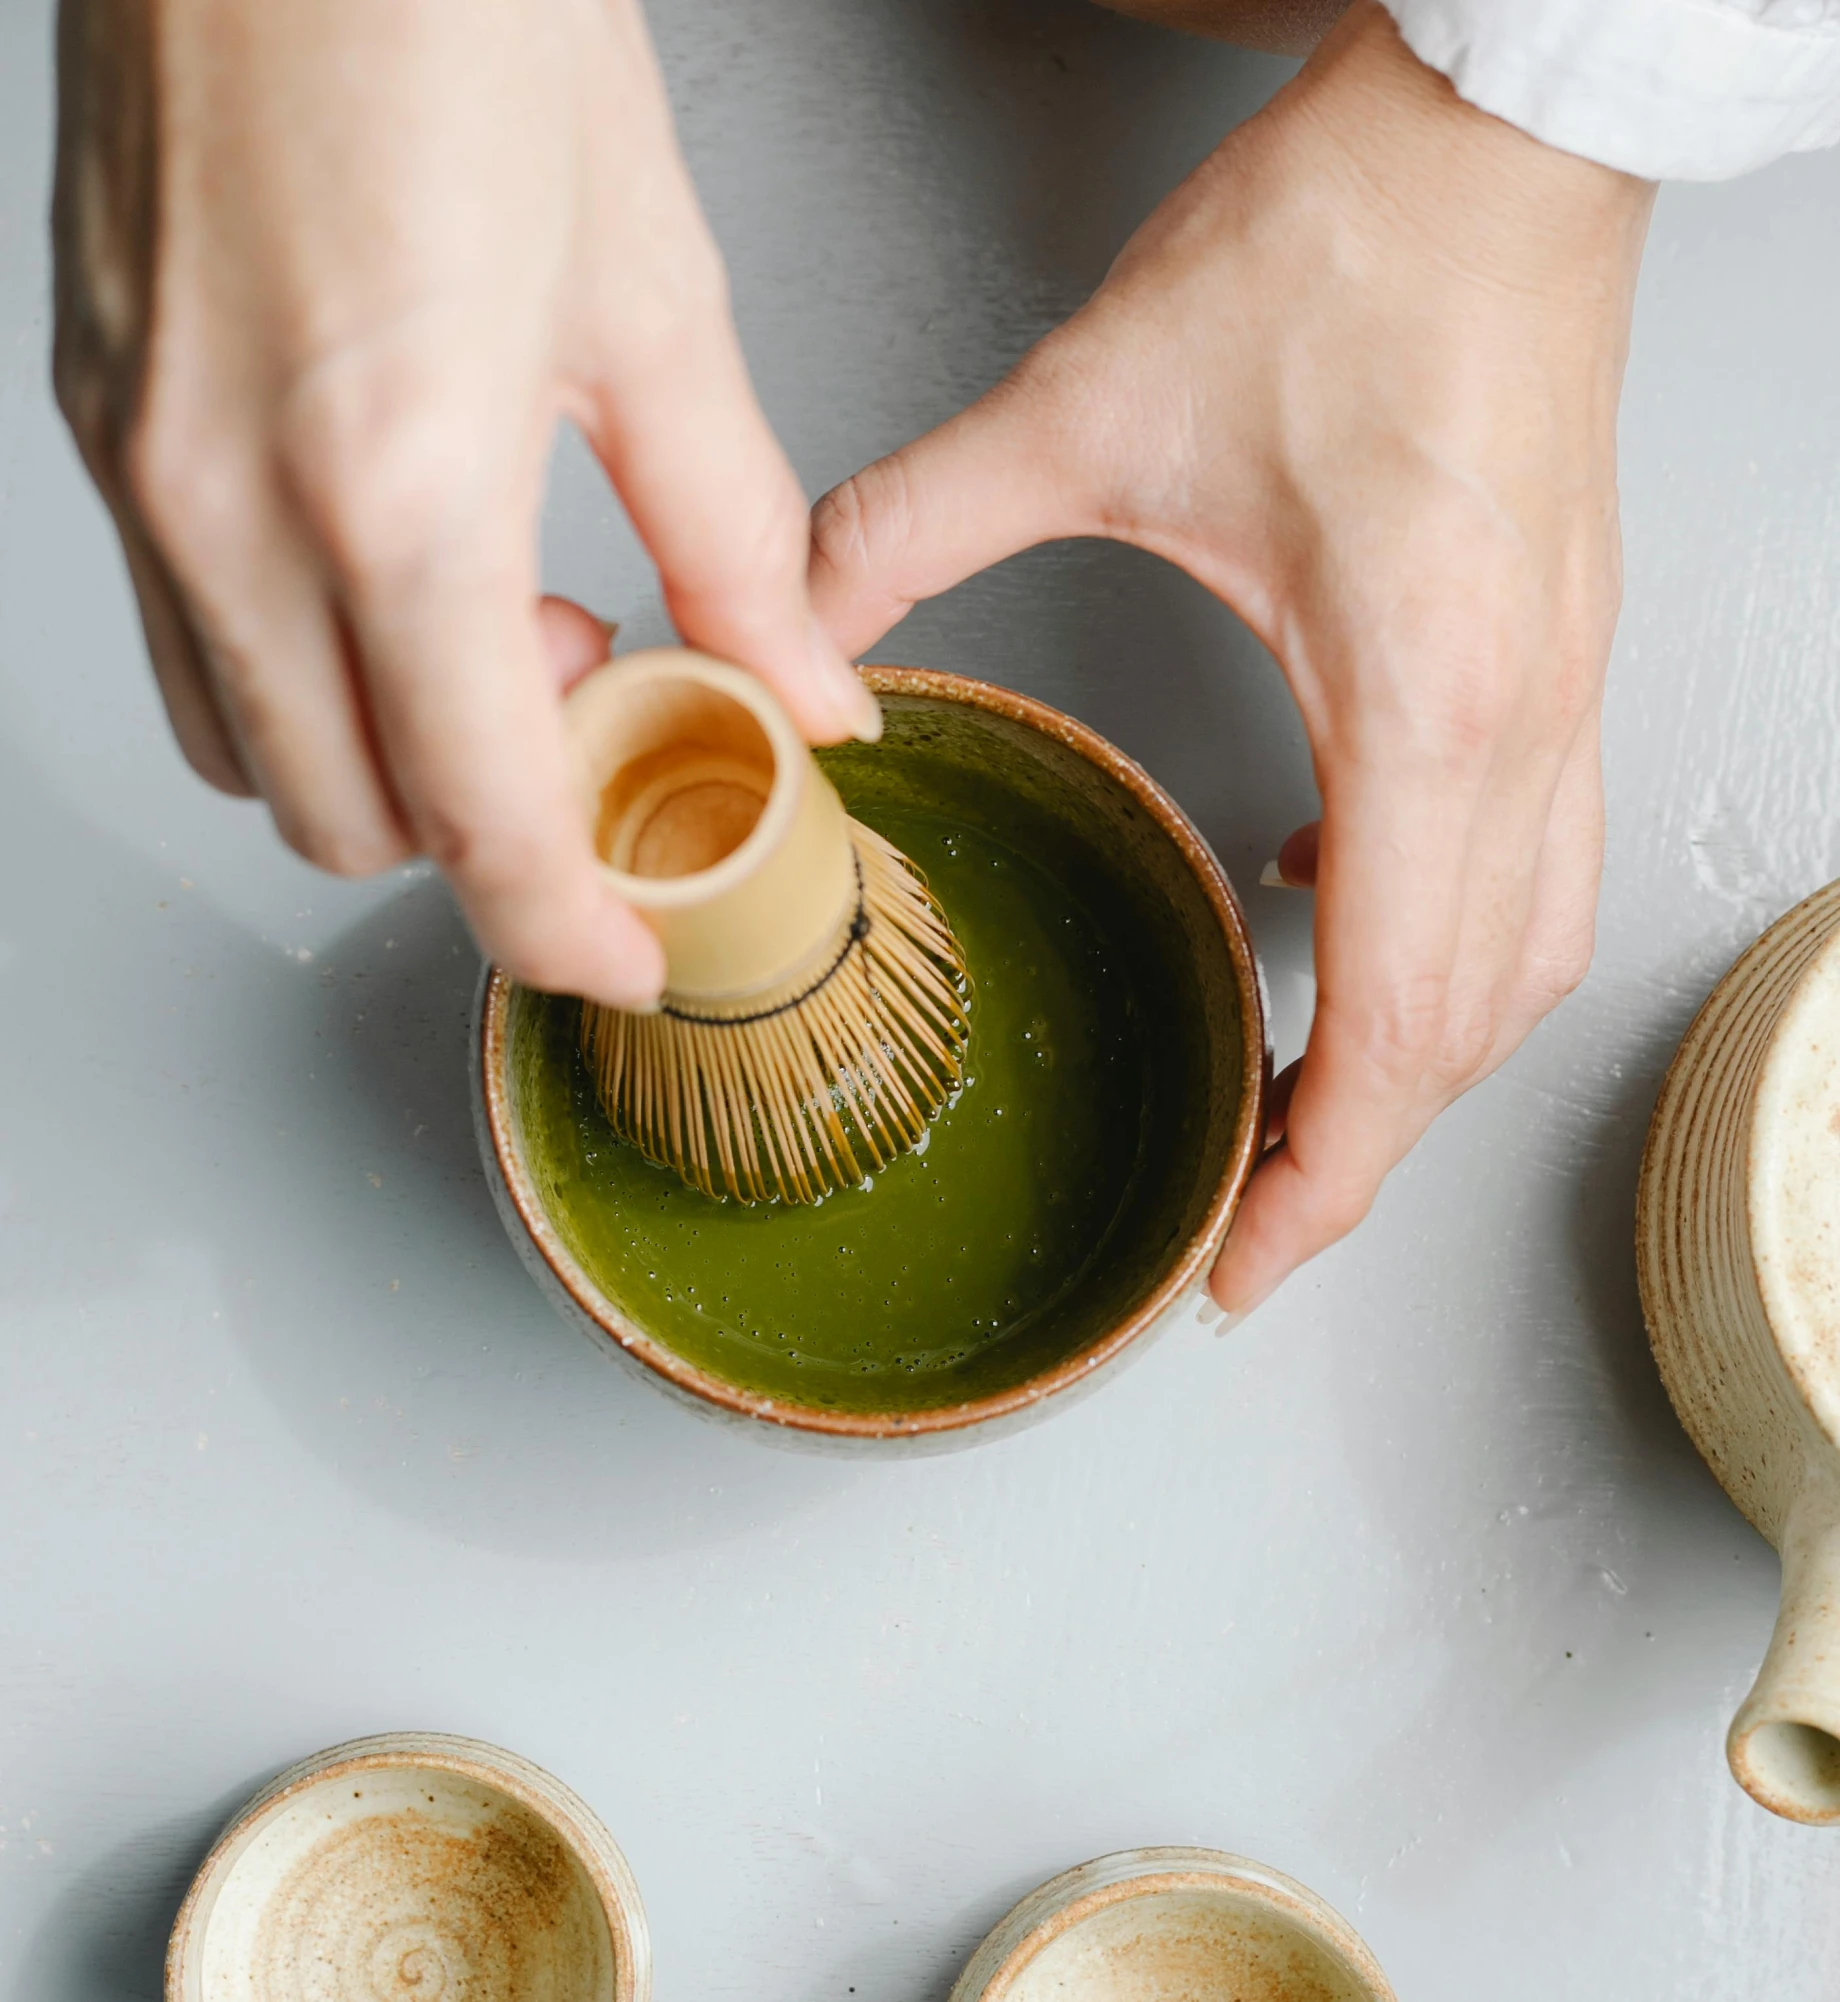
1738, 1246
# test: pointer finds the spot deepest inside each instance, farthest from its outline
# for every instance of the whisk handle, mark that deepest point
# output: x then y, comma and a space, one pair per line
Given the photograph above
712, 820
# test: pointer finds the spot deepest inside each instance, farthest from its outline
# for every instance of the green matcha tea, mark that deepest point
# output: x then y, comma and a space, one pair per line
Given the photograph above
1044, 1194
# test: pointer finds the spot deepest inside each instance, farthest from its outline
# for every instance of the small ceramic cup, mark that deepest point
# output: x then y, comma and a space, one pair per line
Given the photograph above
1130, 819
1147, 1925
412, 1865
1738, 1251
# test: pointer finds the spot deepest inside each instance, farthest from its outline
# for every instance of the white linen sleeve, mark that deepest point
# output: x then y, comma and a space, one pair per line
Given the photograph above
1694, 90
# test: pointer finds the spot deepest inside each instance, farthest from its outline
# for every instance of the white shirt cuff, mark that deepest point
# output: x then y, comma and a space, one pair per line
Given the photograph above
1694, 90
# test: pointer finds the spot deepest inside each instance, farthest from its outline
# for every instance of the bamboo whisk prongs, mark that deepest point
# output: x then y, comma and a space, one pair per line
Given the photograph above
814, 1016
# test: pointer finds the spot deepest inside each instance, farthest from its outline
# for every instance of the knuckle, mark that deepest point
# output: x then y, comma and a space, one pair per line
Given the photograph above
1345, 1209
1576, 681
837, 525
1556, 973
1337, 1206
1401, 1035
493, 860
861, 519
1463, 1054
81, 395
685, 315
184, 487
1462, 721
352, 852
388, 474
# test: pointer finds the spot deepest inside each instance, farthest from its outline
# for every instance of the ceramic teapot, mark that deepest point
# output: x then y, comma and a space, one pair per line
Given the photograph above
1738, 1245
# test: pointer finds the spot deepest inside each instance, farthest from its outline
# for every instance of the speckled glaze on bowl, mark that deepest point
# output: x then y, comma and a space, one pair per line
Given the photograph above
1738, 1254
1172, 1925
412, 1867
1061, 753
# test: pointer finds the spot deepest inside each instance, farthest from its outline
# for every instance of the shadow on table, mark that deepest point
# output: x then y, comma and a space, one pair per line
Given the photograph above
104, 1938
301, 1130
1585, 1548
457, 1395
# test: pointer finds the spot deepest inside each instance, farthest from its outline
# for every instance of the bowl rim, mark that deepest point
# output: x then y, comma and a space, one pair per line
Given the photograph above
557, 1806
1195, 1255
1066, 1902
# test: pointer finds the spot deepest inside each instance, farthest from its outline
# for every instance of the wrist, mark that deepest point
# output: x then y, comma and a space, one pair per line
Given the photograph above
1446, 179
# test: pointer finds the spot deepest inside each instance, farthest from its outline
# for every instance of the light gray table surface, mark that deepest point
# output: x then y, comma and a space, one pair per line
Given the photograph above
1412, 1588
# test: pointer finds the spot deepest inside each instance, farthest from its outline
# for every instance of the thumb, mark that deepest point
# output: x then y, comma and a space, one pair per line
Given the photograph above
690, 453
996, 479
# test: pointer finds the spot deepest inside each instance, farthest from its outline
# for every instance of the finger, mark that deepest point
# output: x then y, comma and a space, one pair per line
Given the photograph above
573, 638
1425, 886
988, 483
203, 735
714, 500
1278, 1102
178, 668
1559, 932
1296, 863
464, 696
270, 642
1391, 887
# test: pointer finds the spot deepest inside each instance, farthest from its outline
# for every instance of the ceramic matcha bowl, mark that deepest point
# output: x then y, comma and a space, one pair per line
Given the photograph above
412, 1865
1072, 1194
1172, 1925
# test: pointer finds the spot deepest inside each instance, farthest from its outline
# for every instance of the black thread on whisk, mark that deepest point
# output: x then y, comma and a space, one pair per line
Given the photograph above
859, 930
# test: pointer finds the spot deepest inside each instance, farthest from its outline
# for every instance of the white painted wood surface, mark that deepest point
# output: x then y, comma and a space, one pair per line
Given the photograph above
1412, 1588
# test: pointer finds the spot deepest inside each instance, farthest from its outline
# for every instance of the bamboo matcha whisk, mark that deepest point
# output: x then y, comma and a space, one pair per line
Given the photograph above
814, 1014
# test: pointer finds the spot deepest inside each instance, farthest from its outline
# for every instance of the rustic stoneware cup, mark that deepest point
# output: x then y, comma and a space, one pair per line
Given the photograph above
412, 1865
1738, 1247
1172, 1925
1142, 829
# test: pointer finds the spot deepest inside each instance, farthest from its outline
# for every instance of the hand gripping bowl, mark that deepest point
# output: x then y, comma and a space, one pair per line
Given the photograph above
1207, 1070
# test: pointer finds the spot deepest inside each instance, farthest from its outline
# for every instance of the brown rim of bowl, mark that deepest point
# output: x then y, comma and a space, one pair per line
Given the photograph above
559, 1807
1197, 1253
1269, 1888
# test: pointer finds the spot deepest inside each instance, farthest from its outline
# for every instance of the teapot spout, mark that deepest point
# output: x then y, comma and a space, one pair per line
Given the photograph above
1784, 1743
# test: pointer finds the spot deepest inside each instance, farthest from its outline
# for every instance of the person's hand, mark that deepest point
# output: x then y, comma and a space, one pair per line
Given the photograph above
1358, 375
327, 273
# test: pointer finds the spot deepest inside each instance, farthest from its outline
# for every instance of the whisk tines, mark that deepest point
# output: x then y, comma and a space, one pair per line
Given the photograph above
817, 1087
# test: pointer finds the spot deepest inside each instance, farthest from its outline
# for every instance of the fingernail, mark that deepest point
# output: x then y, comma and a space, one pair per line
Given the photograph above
855, 708
1232, 1317
636, 1001
631, 1001
1271, 877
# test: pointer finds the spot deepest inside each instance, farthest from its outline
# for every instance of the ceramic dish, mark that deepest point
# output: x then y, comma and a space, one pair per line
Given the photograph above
1172, 1925
1176, 1215
412, 1865
1738, 1251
